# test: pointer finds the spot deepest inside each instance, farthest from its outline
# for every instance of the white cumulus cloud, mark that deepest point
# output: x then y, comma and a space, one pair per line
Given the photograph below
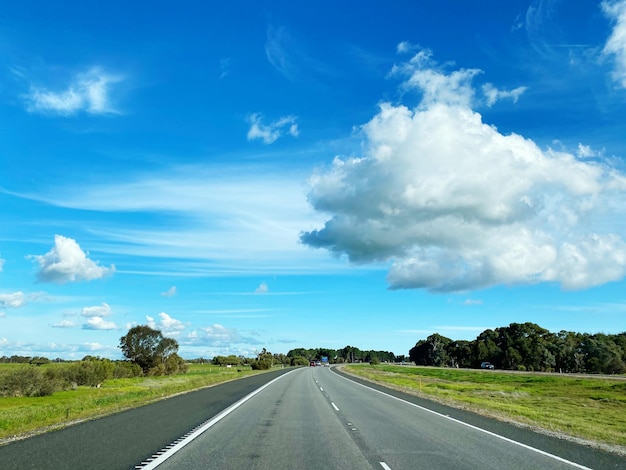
271, 132
103, 310
452, 204
66, 262
493, 94
14, 300
99, 323
89, 91
166, 324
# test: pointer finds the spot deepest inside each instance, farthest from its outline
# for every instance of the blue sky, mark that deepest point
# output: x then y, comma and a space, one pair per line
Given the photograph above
244, 175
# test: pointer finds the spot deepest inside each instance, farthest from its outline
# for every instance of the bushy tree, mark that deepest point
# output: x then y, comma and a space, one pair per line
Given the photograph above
148, 348
263, 361
431, 351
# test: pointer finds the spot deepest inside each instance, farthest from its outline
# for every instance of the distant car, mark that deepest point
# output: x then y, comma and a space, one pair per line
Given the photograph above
318, 363
486, 365
312, 364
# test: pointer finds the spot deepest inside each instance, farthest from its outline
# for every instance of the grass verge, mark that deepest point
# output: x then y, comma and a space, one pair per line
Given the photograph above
24, 416
591, 409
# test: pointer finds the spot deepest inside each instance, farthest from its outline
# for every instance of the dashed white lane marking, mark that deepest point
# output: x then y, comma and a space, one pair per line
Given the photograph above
384, 465
321, 389
334, 406
476, 428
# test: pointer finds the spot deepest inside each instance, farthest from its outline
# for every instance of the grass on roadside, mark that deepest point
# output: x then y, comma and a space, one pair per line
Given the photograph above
24, 415
589, 408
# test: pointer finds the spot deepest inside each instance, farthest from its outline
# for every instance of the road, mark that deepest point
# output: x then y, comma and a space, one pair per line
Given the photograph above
307, 418
121, 440
314, 418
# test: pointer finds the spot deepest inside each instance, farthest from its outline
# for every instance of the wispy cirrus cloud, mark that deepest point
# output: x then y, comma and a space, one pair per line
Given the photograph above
64, 324
278, 49
616, 43
19, 299
291, 58
218, 336
262, 289
89, 91
171, 292
218, 224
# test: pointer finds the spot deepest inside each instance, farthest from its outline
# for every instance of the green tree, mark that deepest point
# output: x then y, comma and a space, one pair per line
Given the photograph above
299, 361
147, 347
431, 351
485, 348
263, 361
459, 353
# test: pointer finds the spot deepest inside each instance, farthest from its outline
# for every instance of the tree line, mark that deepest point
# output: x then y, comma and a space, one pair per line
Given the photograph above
346, 354
527, 346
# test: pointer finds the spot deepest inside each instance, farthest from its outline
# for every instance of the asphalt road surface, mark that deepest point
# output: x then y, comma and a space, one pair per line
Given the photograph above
315, 419
122, 440
307, 418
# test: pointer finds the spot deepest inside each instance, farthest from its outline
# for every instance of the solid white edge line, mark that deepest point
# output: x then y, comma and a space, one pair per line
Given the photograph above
218, 417
525, 446
384, 465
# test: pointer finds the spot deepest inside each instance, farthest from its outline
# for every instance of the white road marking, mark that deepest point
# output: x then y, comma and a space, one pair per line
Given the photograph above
154, 463
321, 389
334, 406
384, 465
476, 428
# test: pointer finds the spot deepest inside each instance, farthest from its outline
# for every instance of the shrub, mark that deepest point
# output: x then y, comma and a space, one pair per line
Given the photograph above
90, 372
175, 365
261, 364
29, 382
299, 361
126, 370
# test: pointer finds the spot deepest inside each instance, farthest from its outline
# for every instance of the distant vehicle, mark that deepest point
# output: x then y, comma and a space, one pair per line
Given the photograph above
318, 363
312, 364
486, 365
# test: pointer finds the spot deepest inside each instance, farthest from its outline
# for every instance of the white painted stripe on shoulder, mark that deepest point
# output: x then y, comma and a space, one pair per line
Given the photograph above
217, 418
476, 428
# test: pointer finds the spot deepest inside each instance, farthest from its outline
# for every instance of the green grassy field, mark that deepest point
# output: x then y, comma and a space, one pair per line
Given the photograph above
589, 408
21, 416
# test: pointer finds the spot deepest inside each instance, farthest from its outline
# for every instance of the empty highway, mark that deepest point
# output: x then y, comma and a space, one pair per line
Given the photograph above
314, 418
308, 418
